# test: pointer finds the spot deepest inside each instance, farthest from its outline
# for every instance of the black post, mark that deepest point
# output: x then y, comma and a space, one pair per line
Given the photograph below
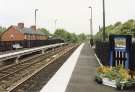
99, 28
103, 20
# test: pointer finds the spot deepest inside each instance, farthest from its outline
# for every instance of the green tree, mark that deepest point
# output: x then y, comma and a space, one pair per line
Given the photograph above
127, 27
2, 29
129, 24
117, 24
61, 33
82, 37
74, 38
45, 31
70, 37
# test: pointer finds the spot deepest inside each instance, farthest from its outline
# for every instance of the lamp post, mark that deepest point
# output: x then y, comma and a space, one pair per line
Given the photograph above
91, 27
55, 22
36, 16
103, 20
99, 28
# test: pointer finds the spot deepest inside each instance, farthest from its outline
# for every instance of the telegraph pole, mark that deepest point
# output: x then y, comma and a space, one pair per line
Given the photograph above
99, 28
103, 20
55, 22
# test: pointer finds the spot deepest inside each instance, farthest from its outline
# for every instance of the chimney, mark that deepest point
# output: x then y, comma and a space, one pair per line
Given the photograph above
20, 25
33, 28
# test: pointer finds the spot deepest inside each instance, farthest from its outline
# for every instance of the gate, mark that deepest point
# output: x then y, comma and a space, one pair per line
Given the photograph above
120, 50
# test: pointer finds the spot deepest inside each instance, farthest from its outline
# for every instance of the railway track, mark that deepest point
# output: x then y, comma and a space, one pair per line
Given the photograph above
13, 76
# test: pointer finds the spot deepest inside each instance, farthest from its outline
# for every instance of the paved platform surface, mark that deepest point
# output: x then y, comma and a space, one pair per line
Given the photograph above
77, 74
60, 79
82, 79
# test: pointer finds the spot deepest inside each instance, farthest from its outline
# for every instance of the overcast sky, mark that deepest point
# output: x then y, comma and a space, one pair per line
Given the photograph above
72, 15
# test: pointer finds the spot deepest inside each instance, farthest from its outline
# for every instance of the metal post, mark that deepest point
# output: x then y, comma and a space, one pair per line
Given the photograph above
103, 20
36, 16
90, 32
91, 24
99, 28
55, 24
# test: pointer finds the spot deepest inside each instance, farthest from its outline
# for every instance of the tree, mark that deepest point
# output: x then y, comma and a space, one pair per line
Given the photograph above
82, 37
118, 28
117, 24
70, 37
74, 38
2, 29
130, 24
45, 31
61, 33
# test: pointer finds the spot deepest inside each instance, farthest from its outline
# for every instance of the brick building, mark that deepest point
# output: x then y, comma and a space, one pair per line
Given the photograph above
18, 33
21, 35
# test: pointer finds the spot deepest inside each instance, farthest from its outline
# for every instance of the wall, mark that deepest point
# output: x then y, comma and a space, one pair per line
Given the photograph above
12, 35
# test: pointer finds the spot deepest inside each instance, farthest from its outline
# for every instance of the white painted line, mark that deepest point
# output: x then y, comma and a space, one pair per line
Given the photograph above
99, 62
59, 81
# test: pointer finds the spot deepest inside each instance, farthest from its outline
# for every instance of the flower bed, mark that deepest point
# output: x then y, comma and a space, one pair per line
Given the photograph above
116, 77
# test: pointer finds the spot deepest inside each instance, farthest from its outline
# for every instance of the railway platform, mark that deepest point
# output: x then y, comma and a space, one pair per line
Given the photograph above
19, 53
77, 74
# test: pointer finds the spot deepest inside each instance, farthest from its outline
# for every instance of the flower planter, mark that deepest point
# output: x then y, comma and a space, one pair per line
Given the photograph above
120, 85
108, 82
118, 78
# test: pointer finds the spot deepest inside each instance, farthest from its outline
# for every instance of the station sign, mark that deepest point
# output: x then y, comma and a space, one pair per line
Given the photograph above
120, 50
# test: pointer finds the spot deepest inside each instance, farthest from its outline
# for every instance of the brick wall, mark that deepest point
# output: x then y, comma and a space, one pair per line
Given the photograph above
12, 35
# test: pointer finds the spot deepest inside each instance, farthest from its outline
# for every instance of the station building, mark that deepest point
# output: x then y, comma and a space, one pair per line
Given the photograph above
17, 33
22, 36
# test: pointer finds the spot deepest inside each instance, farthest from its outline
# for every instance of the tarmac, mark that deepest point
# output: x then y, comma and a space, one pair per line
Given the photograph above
77, 74
82, 79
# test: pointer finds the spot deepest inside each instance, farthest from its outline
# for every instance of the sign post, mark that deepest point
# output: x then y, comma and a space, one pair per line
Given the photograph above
120, 50
120, 59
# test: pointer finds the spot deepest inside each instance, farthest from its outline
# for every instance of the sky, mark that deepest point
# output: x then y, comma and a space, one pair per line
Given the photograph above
71, 15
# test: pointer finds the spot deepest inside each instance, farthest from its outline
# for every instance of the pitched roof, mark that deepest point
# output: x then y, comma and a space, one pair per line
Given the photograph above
30, 31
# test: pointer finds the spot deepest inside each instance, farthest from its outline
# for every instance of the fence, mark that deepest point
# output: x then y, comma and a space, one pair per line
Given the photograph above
102, 51
8, 45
